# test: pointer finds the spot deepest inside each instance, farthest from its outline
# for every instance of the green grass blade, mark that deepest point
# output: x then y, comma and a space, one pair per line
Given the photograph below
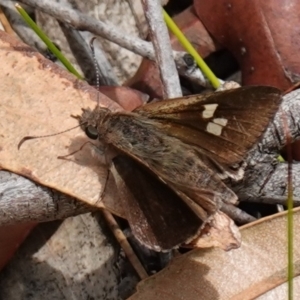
47, 41
191, 50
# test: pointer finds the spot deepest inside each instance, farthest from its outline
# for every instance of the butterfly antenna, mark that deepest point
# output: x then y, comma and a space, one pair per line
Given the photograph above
26, 138
96, 68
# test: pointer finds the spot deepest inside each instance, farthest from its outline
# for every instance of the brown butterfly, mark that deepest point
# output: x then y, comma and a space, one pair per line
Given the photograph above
175, 154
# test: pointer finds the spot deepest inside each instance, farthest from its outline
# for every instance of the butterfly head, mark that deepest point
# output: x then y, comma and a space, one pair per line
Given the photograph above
91, 120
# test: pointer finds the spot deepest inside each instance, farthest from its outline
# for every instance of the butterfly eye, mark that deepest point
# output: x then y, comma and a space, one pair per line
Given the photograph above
91, 132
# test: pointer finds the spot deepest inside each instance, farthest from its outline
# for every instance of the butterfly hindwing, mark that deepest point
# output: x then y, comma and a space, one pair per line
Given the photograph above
157, 216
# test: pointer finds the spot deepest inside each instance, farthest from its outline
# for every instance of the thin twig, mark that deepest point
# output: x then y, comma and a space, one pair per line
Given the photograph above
140, 24
82, 53
236, 214
84, 22
276, 200
5, 24
118, 233
162, 46
114, 34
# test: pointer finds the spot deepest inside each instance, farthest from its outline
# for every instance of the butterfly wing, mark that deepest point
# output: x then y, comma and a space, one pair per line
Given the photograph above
223, 125
157, 216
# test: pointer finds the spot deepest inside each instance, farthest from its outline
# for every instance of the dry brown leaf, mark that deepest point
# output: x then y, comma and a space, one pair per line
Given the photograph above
128, 98
262, 35
37, 98
11, 237
257, 268
220, 232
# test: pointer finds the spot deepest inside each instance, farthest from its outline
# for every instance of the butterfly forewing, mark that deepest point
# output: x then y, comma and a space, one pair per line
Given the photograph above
224, 125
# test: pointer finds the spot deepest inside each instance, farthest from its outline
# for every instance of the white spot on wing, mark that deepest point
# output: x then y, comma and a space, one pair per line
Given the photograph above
209, 110
213, 128
220, 121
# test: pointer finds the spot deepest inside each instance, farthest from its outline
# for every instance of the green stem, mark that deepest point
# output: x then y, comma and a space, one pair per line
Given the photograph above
191, 50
